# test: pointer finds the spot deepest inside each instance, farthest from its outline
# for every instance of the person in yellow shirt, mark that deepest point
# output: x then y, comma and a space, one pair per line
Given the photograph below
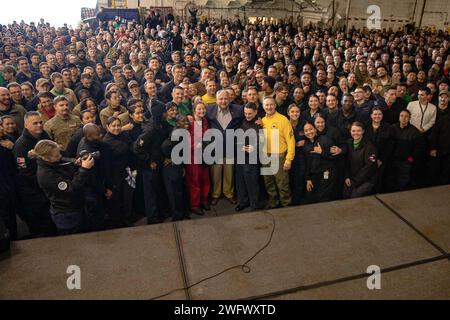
277, 126
210, 97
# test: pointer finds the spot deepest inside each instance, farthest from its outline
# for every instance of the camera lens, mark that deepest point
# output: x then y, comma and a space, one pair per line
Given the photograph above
84, 154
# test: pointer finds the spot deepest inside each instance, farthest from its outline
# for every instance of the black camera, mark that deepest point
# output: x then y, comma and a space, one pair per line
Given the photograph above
84, 154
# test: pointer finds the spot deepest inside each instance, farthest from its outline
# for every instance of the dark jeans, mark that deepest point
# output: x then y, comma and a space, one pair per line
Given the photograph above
340, 177
95, 211
35, 211
247, 184
362, 190
324, 187
8, 214
68, 222
138, 197
4, 238
399, 175
380, 185
440, 169
421, 175
118, 208
297, 182
152, 193
173, 181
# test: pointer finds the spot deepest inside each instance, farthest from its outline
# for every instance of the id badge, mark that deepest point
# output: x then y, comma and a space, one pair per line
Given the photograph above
326, 175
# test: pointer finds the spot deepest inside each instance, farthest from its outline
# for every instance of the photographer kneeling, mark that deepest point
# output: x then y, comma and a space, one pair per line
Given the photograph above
63, 184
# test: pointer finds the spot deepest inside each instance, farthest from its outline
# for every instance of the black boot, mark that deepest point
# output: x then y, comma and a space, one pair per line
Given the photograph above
198, 211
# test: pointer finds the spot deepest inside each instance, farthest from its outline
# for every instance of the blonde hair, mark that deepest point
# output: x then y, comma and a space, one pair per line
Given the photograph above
43, 148
198, 103
195, 98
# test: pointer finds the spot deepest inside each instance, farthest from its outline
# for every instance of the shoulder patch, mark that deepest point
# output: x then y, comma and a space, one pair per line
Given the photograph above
62, 186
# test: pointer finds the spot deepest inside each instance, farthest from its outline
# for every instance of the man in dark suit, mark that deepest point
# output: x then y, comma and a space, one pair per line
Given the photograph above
224, 116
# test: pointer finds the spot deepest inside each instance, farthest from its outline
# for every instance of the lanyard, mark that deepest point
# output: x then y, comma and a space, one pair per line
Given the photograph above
423, 113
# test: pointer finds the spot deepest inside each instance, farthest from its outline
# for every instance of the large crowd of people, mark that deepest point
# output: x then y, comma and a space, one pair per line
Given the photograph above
87, 118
